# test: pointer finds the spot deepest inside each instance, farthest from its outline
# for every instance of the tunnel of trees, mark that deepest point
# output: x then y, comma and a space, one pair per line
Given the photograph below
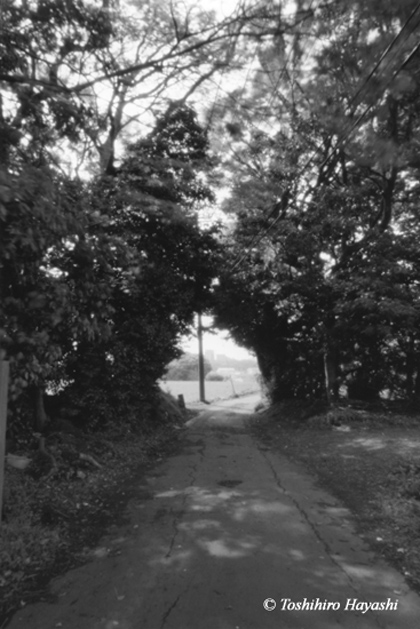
122, 124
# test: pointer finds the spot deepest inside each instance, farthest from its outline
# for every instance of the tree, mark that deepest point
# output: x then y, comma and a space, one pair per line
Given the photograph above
88, 72
150, 203
61, 265
319, 197
43, 214
186, 368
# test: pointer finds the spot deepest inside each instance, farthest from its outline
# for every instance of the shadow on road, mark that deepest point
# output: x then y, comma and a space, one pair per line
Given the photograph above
226, 525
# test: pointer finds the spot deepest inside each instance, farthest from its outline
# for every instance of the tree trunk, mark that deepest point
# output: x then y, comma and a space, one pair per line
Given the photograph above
409, 368
265, 365
40, 414
201, 374
331, 371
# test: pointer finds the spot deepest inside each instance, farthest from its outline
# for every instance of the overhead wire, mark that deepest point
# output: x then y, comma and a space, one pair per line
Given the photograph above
263, 232
386, 52
369, 107
365, 84
283, 71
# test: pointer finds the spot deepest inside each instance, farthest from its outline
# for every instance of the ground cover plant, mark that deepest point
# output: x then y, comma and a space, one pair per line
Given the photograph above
369, 458
121, 124
52, 520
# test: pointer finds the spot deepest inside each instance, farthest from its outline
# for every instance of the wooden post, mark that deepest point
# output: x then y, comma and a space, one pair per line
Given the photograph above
233, 388
4, 384
201, 359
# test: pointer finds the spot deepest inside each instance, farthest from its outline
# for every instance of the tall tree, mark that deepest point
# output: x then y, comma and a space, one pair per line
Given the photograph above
58, 62
320, 193
150, 203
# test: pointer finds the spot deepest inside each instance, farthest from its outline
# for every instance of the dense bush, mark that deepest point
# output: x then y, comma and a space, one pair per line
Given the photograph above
215, 376
186, 368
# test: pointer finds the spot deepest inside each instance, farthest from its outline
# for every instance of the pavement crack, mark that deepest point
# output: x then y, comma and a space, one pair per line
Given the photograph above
308, 520
178, 513
175, 528
168, 611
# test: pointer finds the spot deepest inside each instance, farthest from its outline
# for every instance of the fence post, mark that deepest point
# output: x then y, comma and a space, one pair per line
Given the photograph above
201, 359
4, 384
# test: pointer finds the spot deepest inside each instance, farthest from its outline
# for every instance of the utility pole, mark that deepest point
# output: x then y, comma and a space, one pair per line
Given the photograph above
4, 381
201, 359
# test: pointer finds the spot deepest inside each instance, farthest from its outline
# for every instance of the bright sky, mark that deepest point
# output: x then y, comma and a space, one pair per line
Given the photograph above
219, 343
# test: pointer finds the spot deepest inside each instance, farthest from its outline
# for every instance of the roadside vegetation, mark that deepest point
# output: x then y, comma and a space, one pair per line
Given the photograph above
323, 282
126, 130
186, 368
52, 521
368, 456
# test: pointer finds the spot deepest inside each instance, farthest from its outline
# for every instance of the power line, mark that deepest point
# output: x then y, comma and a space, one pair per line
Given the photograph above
369, 107
365, 83
263, 232
386, 51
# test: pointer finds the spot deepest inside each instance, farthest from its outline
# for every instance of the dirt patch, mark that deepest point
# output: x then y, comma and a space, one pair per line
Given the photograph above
370, 461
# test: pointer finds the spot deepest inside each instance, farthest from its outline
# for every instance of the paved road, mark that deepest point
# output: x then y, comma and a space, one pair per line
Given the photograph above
214, 532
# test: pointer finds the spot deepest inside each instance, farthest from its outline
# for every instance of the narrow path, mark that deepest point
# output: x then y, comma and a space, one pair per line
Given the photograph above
216, 530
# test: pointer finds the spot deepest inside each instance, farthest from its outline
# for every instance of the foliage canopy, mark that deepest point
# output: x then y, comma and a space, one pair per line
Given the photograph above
323, 282
107, 158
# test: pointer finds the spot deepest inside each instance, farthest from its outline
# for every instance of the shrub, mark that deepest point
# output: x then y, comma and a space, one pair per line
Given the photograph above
215, 376
186, 368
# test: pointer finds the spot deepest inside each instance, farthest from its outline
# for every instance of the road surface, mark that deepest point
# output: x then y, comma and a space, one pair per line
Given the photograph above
217, 531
